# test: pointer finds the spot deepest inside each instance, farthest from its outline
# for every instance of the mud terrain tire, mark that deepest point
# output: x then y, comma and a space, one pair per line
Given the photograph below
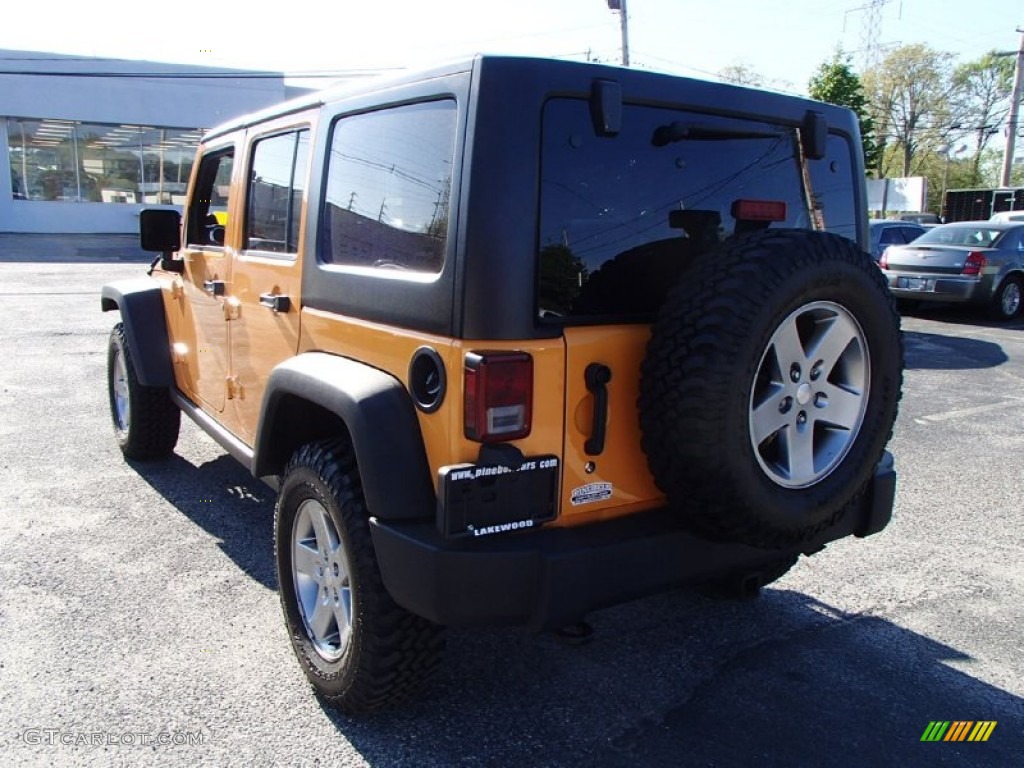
770, 386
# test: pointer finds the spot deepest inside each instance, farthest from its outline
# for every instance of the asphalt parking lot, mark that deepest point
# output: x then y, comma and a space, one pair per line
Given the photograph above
139, 620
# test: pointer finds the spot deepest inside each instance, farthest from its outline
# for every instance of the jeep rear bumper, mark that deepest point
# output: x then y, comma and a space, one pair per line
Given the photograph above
554, 576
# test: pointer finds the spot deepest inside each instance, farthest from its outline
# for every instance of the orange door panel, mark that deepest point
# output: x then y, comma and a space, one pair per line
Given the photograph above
267, 272
207, 273
264, 303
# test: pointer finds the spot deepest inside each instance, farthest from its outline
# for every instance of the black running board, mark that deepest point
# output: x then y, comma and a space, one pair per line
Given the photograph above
225, 439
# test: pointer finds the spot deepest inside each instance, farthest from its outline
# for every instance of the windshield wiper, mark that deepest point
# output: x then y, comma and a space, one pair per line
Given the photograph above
680, 131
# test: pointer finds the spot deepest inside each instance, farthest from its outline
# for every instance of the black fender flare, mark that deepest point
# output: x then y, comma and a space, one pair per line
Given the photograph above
145, 328
376, 410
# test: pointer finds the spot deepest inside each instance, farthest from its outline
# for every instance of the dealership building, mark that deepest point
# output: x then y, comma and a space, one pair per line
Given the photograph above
86, 143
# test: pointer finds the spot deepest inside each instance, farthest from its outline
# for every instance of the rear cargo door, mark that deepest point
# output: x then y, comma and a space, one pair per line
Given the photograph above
625, 215
604, 470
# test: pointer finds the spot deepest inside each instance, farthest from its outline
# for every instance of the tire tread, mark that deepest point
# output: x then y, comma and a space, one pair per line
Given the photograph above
694, 356
398, 651
155, 421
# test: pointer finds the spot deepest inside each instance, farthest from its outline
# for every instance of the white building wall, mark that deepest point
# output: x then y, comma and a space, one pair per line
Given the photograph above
122, 96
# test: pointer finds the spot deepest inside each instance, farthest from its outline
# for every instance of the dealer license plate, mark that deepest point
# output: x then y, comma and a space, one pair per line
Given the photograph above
480, 500
914, 283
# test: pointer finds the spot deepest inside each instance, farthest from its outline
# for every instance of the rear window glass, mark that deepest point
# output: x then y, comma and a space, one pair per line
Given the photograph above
978, 236
622, 217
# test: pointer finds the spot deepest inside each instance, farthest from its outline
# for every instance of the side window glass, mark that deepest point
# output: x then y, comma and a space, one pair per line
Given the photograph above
890, 235
388, 186
1013, 240
208, 211
276, 188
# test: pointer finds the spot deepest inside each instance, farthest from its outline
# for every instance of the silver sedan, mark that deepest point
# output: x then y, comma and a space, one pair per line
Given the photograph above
977, 262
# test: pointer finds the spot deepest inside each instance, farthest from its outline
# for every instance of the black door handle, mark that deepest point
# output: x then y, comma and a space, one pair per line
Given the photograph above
275, 301
214, 287
597, 377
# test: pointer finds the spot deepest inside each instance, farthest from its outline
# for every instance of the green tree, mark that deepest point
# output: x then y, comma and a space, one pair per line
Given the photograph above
741, 74
560, 279
981, 101
909, 94
835, 82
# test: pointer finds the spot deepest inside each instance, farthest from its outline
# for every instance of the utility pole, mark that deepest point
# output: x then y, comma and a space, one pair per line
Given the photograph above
620, 6
1018, 93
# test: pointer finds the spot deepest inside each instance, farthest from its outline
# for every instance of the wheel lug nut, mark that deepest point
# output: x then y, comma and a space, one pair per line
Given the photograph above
794, 373
821, 400
802, 418
785, 404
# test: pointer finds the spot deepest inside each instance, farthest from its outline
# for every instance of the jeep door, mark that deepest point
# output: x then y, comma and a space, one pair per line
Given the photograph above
209, 220
266, 275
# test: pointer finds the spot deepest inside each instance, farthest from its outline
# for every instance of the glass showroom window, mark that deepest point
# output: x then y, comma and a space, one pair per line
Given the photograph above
97, 162
42, 155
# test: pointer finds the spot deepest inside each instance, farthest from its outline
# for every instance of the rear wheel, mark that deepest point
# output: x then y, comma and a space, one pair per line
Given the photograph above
770, 387
359, 650
1006, 303
146, 421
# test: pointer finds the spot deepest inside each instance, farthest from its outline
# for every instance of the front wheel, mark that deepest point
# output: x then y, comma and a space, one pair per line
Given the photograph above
359, 650
146, 421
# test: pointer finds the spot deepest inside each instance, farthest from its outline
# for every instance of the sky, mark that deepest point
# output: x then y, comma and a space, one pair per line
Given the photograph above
783, 40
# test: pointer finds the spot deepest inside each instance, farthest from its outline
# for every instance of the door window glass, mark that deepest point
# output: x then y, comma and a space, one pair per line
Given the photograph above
208, 212
276, 190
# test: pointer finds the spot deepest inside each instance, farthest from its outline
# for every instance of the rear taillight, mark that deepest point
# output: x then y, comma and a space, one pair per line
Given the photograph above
883, 261
759, 210
499, 396
975, 263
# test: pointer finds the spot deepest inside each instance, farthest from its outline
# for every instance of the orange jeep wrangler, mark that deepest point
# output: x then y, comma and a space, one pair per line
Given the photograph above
517, 339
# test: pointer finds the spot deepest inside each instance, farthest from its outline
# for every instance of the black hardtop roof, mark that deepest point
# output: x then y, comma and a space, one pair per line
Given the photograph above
566, 76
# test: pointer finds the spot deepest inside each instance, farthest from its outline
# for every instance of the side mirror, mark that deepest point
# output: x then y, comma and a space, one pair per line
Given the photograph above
172, 265
160, 230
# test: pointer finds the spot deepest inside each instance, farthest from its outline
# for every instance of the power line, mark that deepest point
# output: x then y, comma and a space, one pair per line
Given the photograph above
239, 75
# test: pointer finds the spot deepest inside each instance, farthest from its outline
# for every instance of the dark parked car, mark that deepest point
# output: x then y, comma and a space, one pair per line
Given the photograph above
887, 232
979, 262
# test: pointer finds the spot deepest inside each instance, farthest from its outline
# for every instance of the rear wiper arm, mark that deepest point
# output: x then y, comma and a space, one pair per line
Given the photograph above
680, 131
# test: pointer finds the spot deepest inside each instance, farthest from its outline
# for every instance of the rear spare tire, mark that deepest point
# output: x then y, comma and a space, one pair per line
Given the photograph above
770, 386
